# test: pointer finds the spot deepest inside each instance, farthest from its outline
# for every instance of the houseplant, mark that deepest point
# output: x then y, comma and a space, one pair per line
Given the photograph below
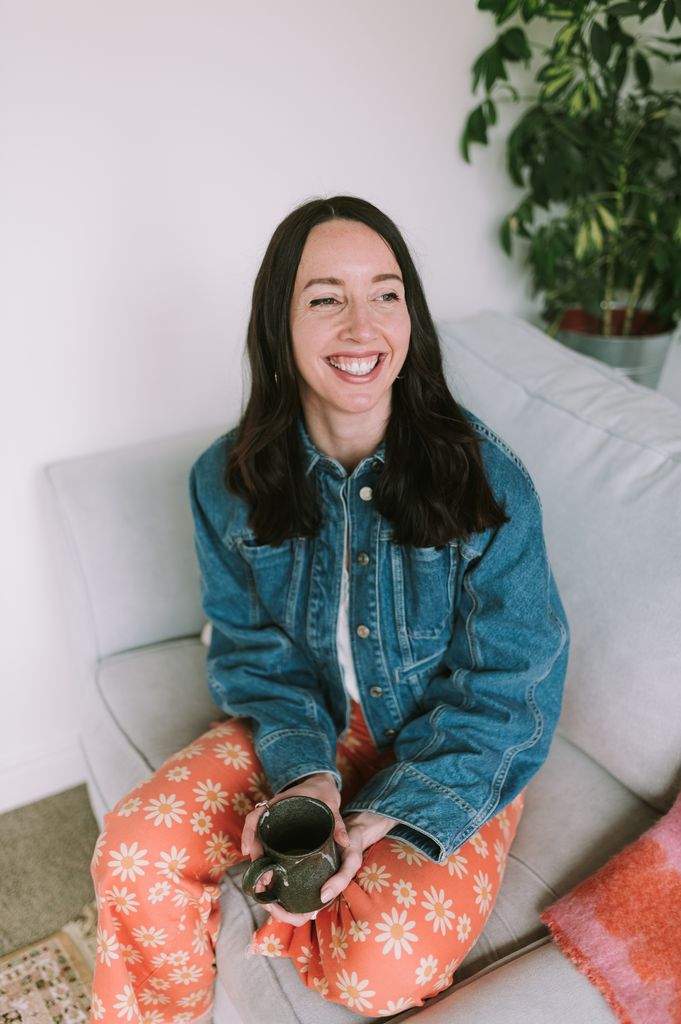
597, 151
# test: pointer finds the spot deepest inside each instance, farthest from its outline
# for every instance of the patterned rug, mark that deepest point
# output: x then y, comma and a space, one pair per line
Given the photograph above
49, 981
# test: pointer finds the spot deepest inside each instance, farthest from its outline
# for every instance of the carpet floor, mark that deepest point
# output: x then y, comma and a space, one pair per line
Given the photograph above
45, 852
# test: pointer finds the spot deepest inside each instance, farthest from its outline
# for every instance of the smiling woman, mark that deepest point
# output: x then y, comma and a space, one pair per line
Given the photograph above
386, 636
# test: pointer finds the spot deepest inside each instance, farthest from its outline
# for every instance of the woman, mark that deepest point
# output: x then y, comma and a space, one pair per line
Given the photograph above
387, 637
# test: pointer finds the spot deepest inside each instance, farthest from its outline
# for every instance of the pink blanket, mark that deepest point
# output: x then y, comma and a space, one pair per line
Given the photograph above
622, 926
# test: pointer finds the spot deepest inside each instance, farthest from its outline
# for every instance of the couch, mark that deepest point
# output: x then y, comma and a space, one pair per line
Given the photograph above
605, 455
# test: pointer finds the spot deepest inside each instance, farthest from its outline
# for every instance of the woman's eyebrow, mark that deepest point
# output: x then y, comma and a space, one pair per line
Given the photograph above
337, 280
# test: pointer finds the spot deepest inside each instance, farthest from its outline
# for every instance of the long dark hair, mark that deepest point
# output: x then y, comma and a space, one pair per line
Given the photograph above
432, 488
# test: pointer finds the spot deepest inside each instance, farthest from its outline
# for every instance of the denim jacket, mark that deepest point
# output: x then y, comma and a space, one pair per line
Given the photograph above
460, 652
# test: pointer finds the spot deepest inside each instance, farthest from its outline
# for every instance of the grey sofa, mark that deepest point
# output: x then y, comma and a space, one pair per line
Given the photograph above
606, 458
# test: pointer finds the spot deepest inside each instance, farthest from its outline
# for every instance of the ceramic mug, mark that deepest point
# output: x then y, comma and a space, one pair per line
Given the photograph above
297, 835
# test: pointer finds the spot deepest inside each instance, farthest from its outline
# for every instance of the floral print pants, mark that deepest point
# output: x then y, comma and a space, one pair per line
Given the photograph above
392, 939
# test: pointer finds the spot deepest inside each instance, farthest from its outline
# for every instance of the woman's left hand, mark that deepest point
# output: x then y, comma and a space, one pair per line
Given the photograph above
364, 829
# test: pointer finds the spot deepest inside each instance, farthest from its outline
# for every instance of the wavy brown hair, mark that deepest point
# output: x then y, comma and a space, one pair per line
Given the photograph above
432, 488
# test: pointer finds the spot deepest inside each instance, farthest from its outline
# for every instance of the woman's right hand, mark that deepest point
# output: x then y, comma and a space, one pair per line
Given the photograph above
322, 786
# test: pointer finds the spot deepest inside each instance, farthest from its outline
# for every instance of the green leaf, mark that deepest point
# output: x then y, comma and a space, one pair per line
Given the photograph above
514, 46
576, 104
505, 235
475, 130
494, 70
582, 241
601, 44
507, 11
642, 69
677, 4
594, 98
490, 111
606, 216
650, 8
621, 66
596, 234
668, 13
529, 9
550, 71
556, 85
564, 37
623, 10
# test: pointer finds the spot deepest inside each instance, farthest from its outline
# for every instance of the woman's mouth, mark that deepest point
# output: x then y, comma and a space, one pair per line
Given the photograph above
355, 366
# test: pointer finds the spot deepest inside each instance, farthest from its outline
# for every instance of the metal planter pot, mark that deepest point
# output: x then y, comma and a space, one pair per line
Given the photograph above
640, 356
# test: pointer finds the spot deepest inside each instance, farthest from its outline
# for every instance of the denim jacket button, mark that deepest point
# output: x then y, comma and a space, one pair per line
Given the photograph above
366, 493
376, 691
363, 558
389, 733
363, 632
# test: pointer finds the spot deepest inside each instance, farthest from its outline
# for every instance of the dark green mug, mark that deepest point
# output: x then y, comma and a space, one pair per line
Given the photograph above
297, 836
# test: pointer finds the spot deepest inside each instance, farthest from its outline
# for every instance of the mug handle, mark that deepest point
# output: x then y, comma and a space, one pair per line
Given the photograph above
254, 873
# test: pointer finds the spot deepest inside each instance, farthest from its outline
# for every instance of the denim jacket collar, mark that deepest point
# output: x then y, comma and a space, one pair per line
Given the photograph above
314, 456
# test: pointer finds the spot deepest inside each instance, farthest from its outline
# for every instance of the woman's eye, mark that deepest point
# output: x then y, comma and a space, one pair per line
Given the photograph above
389, 297
328, 300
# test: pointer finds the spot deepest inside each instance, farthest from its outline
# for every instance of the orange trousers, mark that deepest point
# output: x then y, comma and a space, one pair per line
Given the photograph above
393, 938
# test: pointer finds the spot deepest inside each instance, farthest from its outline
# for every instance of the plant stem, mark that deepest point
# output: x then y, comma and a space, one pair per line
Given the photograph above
609, 297
633, 302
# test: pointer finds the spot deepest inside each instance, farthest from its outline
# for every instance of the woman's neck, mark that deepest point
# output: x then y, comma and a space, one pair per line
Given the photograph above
346, 437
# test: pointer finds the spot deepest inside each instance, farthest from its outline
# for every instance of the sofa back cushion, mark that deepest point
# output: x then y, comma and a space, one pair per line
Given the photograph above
128, 524
605, 456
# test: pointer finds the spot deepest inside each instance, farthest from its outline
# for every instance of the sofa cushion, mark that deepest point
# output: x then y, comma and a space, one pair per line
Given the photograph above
126, 513
147, 704
605, 455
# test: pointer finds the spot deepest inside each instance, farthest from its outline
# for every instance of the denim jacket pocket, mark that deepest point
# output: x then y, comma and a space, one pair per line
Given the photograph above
276, 572
423, 580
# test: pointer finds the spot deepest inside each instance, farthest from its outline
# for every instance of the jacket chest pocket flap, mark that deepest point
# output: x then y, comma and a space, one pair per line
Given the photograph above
424, 581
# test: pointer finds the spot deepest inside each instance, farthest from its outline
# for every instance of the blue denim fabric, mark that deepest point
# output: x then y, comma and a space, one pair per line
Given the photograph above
460, 652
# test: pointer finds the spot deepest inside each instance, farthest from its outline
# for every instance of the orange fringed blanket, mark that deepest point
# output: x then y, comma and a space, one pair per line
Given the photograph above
622, 926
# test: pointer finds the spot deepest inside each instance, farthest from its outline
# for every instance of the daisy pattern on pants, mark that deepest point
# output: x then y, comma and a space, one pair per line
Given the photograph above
107, 947
171, 863
201, 822
426, 970
97, 1007
233, 755
129, 807
479, 845
404, 893
167, 810
180, 773
395, 1006
438, 909
359, 930
354, 991
158, 892
463, 928
211, 795
397, 933
457, 865
128, 861
408, 853
127, 1004
373, 877
483, 888
149, 935
445, 978
338, 942
121, 900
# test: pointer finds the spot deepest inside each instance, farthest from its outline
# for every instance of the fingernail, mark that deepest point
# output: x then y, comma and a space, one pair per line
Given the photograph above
326, 895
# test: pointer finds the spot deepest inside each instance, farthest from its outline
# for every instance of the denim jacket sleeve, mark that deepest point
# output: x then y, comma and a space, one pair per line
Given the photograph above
254, 670
486, 722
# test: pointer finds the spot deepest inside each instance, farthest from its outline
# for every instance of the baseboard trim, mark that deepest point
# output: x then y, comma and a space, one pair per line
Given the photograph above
41, 774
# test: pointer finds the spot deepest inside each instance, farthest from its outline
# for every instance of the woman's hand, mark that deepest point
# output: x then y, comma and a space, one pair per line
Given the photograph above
321, 786
364, 829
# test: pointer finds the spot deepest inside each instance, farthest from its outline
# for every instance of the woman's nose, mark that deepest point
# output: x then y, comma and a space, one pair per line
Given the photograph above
359, 325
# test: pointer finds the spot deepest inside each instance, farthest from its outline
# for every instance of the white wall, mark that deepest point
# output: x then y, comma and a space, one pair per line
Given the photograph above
147, 150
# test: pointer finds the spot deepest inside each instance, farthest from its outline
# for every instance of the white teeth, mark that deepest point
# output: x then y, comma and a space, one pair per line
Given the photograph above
357, 367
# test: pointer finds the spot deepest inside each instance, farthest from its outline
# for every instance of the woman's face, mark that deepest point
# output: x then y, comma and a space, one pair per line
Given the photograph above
349, 320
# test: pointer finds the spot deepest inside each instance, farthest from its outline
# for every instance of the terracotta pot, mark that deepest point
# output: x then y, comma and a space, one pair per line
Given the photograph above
640, 355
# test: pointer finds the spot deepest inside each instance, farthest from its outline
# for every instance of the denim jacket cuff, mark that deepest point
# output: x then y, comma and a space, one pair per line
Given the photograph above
435, 821
288, 755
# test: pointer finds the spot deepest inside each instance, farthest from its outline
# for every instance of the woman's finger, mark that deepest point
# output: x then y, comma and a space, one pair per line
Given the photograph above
279, 914
352, 861
250, 844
